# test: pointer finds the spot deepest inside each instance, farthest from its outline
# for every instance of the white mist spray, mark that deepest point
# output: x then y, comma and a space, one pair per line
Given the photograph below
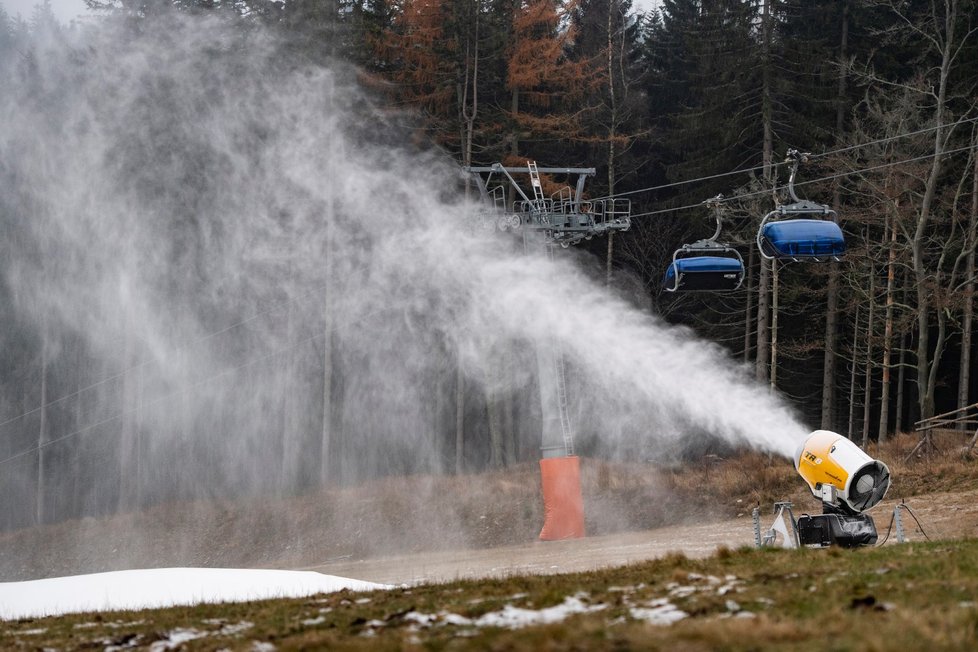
217, 248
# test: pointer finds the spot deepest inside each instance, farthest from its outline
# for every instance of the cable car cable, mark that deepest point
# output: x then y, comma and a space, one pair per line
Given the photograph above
775, 165
884, 140
802, 183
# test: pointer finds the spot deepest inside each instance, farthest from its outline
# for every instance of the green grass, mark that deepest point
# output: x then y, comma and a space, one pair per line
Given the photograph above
911, 596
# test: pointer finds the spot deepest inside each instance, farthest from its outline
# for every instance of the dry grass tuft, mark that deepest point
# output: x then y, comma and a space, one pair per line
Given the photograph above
946, 469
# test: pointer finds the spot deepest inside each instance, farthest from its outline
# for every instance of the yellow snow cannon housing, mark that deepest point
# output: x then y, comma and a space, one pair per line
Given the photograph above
846, 479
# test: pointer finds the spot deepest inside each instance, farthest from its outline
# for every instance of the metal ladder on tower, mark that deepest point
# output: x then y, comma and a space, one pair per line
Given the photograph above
535, 183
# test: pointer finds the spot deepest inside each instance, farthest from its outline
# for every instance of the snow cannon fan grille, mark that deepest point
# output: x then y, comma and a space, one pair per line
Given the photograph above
869, 486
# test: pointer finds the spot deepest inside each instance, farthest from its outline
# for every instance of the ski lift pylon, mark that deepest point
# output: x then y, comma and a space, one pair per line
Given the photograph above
785, 235
705, 265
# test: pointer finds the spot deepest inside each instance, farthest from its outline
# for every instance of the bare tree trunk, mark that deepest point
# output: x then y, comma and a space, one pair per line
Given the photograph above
327, 443
469, 114
291, 445
926, 362
763, 350
901, 381
868, 375
888, 334
496, 436
129, 446
774, 325
612, 125
748, 315
829, 357
852, 377
326, 433
967, 319
42, 434
459, 414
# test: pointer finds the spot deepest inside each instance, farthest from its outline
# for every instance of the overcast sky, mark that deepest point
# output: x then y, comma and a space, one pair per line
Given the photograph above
66, 10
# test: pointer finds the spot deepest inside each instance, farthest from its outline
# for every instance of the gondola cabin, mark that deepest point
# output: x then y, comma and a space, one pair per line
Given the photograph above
786, 233
802, 239
704, 274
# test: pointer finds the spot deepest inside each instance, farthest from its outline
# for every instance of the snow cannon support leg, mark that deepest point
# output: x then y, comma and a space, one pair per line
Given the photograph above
563, 504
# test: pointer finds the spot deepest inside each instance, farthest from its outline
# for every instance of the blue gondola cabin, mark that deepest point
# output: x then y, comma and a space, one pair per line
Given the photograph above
703, 274
796, 239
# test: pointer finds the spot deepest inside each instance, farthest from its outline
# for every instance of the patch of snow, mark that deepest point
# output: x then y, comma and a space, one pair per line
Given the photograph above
176, 638
455, 619
512, 617
162, 587
319, 620
235, 628
263, 646
659, 612
678, 591
33, 632
509, 617
423, 620
125, 643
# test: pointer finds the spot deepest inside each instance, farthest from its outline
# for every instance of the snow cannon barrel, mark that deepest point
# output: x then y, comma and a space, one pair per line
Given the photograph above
840, 473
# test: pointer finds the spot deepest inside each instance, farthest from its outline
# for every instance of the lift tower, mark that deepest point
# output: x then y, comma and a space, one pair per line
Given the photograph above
564, 218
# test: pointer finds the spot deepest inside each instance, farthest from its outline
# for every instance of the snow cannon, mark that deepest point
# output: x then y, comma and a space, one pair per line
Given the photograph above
848, 482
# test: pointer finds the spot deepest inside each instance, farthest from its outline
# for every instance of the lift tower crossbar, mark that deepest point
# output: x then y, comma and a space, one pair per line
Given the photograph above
564, 218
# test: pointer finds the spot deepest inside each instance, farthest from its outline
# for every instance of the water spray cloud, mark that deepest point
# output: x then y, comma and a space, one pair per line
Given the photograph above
279, 291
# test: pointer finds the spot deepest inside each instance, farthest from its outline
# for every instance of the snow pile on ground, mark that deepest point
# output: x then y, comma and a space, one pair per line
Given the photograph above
509, 617
658, 612
515, 618
162, 587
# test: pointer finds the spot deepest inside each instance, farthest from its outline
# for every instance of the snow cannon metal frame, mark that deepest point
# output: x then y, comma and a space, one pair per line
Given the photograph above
848, 482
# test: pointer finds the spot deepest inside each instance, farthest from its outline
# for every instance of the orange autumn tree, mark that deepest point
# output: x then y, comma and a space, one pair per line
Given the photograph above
419, 56
547, 89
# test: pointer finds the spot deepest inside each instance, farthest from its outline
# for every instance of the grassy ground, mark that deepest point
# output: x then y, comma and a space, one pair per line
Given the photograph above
910, 597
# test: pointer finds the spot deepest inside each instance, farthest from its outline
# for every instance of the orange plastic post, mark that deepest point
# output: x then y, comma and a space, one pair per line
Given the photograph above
563, 504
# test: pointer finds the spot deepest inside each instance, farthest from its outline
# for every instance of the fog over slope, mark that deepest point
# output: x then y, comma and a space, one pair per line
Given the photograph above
225, 273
